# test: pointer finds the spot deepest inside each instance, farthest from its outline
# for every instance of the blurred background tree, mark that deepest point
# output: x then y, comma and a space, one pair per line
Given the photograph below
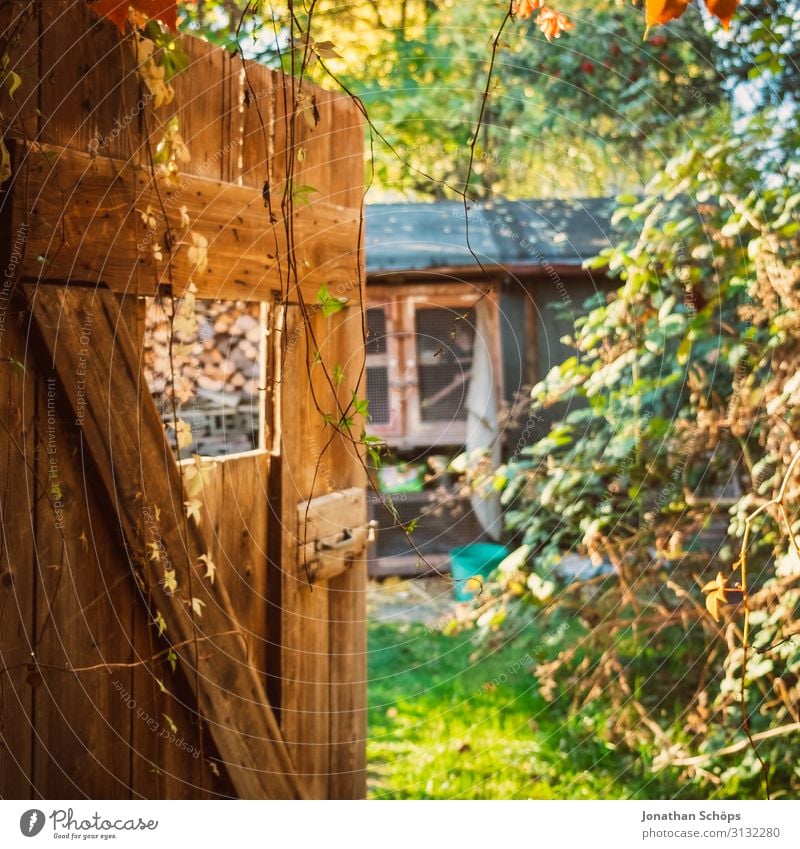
591, 113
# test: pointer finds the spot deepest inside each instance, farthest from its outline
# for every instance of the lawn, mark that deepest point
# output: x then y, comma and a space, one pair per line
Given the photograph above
437, 731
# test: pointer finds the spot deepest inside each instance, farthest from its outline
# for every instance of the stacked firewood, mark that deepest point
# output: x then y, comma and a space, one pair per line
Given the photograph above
217, 359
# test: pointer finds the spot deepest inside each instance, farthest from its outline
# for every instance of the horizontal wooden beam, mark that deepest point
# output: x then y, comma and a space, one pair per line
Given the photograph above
492, 274
103, 221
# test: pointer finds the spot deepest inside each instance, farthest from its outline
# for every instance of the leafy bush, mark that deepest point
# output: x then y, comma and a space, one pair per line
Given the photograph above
680, 408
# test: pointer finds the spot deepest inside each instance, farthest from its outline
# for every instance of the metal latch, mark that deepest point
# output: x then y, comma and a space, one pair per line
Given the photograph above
333, 533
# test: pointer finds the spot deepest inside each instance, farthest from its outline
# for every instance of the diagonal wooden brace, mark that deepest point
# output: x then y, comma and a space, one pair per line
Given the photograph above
80, 334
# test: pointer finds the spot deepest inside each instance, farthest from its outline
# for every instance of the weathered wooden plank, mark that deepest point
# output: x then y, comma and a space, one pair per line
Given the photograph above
83, 621
200, 101
263, 134
143, 485
334, 159
316, 460
89, 85
347, 591
84, 214
241, 545
348, 678
17, 507
171, 753
305, 695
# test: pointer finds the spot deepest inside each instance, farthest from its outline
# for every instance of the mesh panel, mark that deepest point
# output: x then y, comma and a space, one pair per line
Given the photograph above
443, 522
444, 357
376, 331
378, 394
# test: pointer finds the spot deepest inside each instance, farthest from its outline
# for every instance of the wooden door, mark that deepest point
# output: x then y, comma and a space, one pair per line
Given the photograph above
112, 629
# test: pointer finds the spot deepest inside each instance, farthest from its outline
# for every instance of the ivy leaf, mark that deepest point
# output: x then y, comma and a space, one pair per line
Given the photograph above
193, 509
211, 569
306, 106
663, 11
172, 726
172, 659
325, 49
303, 194
160, 623
183, 434
169, 581
718, 593
197, 606
198, 253
329, 304
360, 405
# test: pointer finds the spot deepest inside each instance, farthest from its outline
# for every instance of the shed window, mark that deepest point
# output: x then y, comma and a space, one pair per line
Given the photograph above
418, 369
445, 340
377, 367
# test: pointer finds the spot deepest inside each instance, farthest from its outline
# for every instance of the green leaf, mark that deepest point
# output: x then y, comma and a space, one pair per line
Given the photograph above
303, 194
329, 304
160, 623
360, 405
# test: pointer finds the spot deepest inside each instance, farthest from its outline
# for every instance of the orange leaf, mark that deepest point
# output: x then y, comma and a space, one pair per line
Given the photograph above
553, 23
117, 11
526, 8
722, 9
663, 11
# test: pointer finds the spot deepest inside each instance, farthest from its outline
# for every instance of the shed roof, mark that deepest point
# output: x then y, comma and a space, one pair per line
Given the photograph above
425, 236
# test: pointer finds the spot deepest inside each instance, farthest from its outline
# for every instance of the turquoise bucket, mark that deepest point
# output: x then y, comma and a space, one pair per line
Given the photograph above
478, 560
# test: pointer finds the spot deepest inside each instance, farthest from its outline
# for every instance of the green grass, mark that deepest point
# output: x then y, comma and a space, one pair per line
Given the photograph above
437, 732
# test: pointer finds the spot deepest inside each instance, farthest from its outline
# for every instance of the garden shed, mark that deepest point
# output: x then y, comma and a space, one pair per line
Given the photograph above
455, 338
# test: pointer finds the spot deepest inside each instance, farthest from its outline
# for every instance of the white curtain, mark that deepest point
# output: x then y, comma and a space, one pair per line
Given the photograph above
482, 419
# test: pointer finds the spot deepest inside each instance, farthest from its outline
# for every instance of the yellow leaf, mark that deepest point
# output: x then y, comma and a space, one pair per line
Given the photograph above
169, 581
198, 253
183, 434
5, 162
712, 605
211, 569
197, 606
193, 509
